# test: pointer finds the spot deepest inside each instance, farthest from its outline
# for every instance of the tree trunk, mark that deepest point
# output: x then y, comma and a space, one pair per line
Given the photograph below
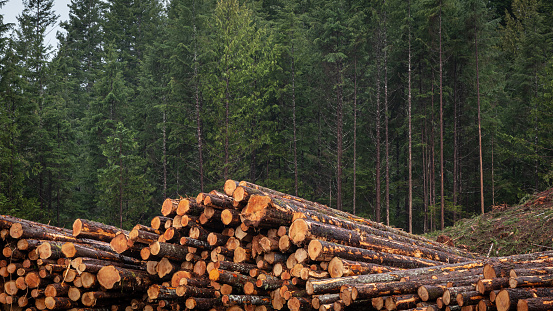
479, 123
442, 196
410, 152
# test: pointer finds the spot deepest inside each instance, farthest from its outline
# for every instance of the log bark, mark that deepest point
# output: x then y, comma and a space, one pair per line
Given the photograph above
325, 251
171, 251
329, 285
84, 228
189, 207
533, 280
303, 230
469, 298
535, 304
58, 303
111, 277
90, 299
158, 222
339, 267
507, 298
193, 291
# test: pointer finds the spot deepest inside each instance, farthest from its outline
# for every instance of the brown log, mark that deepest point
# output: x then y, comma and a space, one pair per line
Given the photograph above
74, 293
535, 304
219, 201
165, 267
431, 292
318, 300
232, 278
401, 302
180, 278
56, 290
193, 291
303, 230
495, 268
169, 207
120, 242
299, 303
90, 299
469, 298
450, 294
533, 280
171, 251
507, 298
530, 271
339, 267
111, 277
329, 285
243, 268
486, 305
486, 285
202, 303
230, 217
158, 222
189, 207
84, 228
242, 254
325, 251
58, 303
193, 243
143, 236
230, 186
246, 299
217, 239
32, 280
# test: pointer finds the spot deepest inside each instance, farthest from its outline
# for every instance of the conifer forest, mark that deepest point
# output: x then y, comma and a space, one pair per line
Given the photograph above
413, 113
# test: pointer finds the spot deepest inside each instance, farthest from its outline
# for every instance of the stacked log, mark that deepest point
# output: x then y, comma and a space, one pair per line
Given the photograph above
254, 248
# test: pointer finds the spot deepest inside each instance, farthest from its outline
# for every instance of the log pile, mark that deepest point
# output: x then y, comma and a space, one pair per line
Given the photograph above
253, 248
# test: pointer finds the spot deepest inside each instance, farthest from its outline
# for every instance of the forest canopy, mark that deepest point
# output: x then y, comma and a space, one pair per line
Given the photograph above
412, 113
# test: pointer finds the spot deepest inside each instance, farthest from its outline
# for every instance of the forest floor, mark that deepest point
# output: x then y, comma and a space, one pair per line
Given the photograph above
518, 229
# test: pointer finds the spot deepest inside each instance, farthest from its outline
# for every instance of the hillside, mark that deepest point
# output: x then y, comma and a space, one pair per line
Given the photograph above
523, 228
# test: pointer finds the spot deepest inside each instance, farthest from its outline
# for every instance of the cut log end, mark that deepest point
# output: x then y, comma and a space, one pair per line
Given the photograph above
298, 231
314, 249
108, 276
77, 227
230, 187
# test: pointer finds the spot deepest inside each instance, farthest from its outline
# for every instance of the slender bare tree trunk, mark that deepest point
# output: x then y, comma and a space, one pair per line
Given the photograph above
409, 103
294, 120
378, 125
164, 147
441, 129
354, 135
198, 103
479, 123
387, 119
339, 129
455, 137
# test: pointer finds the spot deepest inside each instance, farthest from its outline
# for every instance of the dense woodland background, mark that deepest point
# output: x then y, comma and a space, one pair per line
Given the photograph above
329, 100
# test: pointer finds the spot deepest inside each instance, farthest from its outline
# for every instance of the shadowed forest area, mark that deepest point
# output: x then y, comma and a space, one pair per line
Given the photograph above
412, 113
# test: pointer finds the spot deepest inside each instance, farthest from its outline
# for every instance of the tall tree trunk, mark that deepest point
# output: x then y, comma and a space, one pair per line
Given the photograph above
441, 128
121, 183
386, 130
294, 120
455, 137
339, 129
479, 123
378, 125
164, 147
354, 134
198, 103
410, 152
227, 122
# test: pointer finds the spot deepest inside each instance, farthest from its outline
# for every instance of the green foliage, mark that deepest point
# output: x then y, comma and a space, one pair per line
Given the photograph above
118, 114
